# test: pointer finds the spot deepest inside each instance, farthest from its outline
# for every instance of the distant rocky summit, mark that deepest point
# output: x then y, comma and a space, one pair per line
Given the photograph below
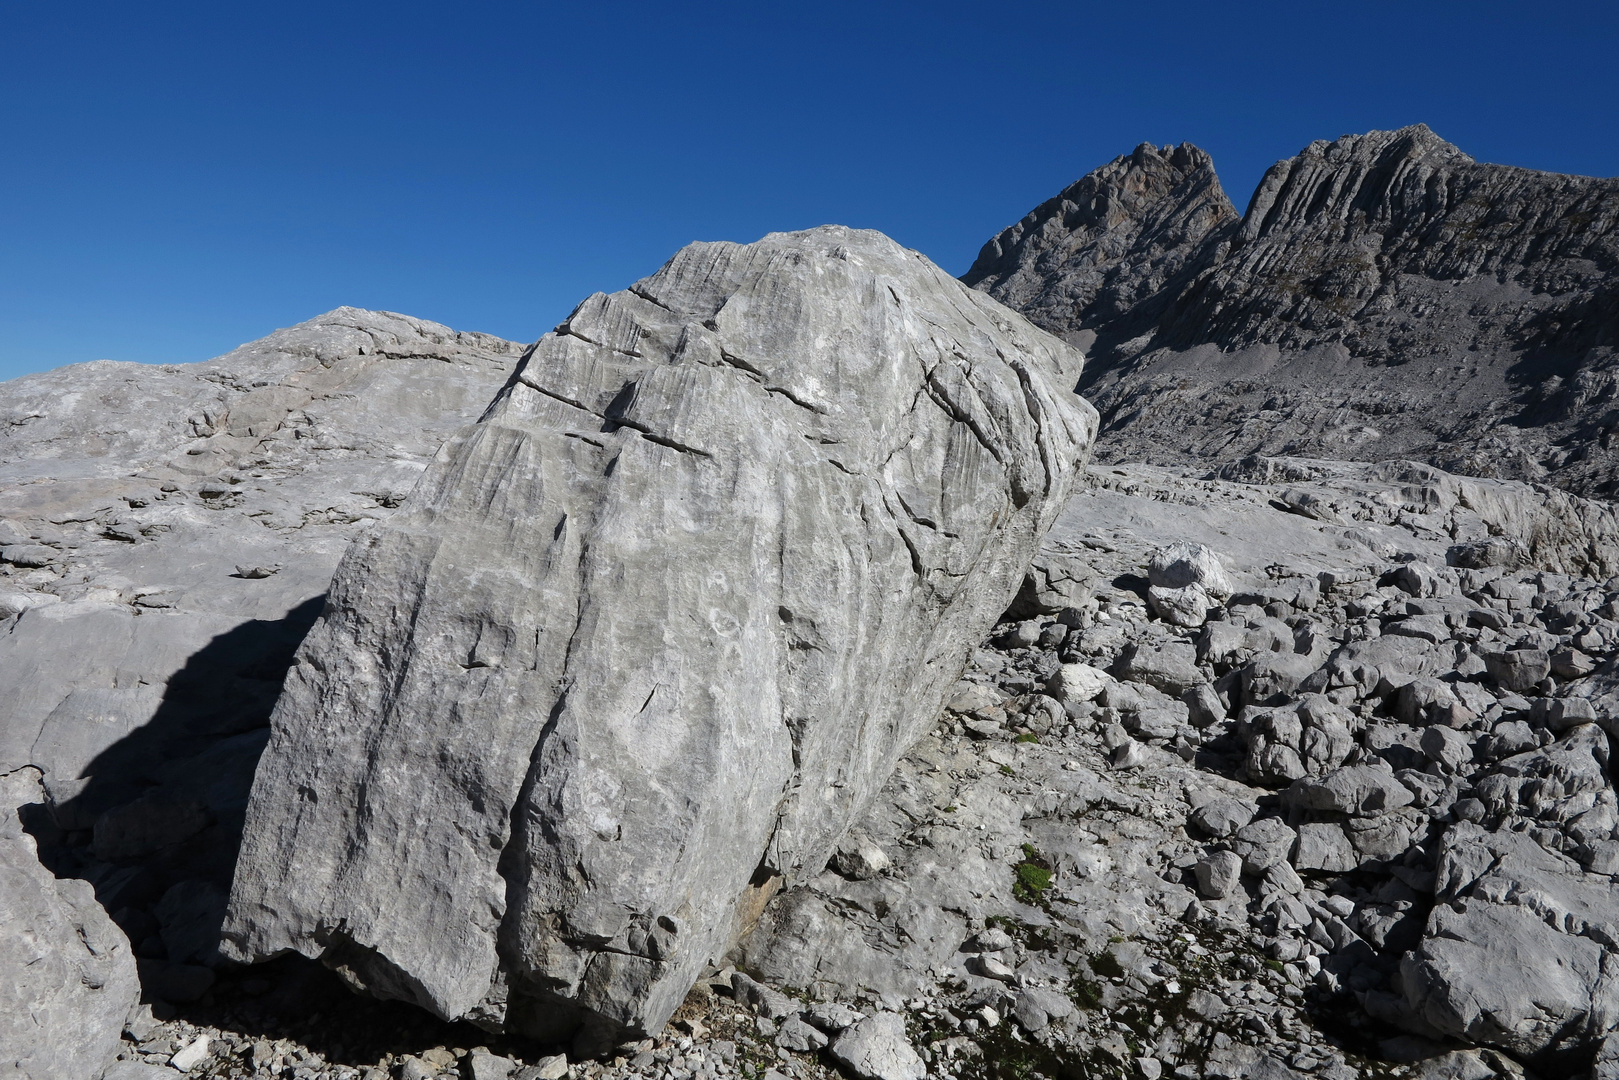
1384, 296
654, 632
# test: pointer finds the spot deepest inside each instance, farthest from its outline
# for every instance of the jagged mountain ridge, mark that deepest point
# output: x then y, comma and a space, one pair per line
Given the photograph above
1383, 296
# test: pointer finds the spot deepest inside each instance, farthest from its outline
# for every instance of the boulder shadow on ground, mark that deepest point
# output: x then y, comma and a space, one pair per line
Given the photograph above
155, 821
303, 1003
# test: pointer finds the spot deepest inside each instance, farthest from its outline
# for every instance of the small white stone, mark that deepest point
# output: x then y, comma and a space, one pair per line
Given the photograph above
991, 968
877, 1049
191, 1055
552, 1068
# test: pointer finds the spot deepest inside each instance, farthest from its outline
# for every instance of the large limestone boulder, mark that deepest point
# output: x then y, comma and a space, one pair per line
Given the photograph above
651, 634
67, 974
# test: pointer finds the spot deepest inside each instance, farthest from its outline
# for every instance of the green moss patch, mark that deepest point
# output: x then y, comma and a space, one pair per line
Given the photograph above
1032, 876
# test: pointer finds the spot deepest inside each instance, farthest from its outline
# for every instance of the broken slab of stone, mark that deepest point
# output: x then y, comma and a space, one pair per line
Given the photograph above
1170, 666
1359, 790
1518, 948
651, 634
1323, 847
1218, 874
1518, 669
1187, 606
1262, 844
1055, 580
1075, 684
1221, 817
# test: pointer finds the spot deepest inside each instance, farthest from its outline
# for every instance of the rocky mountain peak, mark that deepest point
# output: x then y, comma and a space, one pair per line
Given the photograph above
1381, 175
1385, 295
1109, 241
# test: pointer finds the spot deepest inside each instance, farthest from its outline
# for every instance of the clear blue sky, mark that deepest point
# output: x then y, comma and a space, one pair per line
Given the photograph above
180, 178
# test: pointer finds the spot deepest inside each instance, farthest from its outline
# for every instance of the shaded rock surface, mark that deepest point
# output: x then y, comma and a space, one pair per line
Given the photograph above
145, 487
654, 631
1384, 296
67, 974
138, 663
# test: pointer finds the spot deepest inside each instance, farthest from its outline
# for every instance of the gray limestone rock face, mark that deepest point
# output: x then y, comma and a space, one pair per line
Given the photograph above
67, 974
1114, 241
1497, 974
653, 632
151, 486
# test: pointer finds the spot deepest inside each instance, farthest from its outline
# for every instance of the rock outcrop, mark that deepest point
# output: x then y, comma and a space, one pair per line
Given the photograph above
167, 534
146, 511
67, 975
1384, 296
654, 631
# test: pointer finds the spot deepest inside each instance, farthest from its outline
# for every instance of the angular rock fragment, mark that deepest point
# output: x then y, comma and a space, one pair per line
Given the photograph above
1499, 975
1262, 844
1359, 790
651, 634
1075, 684
1170, 667
1451, 749
1516, 953
831, 1016
1204, 707
1222, 817
1218, 874
1324, 848
876, 1049
1518, 669
760, 998
1187, 606
799, 1037
857, 857
1055, 581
